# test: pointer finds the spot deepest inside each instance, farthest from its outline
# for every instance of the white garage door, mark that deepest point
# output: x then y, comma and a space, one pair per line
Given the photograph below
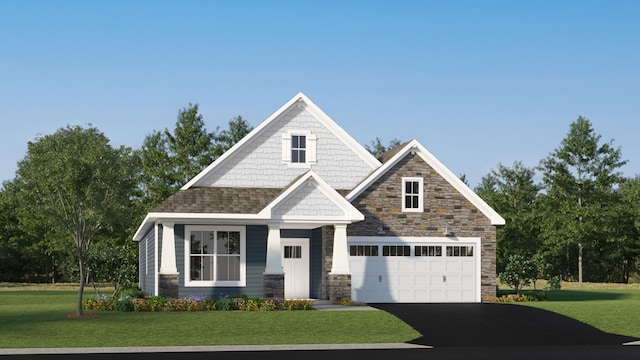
420, 270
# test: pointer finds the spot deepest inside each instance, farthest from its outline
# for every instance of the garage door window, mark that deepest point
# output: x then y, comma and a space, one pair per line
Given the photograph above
459, 251
363, 250
428, 250
396, 250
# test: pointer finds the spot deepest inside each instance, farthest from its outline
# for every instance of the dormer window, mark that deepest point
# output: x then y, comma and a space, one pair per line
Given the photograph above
412, 194
299, 148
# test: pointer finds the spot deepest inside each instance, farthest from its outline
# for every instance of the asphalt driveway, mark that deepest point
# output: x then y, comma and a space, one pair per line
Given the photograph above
496, 325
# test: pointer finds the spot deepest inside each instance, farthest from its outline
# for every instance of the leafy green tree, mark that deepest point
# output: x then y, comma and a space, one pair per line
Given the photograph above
512, 192
238, 129
624, 229
579, 178
519, 272
377, 148
75, 182
172, 158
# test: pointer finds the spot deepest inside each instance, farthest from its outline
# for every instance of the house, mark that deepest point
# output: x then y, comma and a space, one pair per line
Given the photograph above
299, 209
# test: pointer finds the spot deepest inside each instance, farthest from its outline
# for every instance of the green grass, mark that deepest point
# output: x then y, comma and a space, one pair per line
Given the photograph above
38, 318
613, 308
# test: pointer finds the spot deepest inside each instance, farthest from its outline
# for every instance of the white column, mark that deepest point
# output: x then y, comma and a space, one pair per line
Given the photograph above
340, 264
274, 256
168, 260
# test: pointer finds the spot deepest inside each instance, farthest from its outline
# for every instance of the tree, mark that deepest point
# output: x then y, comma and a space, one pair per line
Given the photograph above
376, 148
74, 182
170, 159
519, 272
238, 129
512, 192
579, 179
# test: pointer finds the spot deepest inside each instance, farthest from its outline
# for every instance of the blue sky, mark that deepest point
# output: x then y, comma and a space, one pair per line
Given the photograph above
478, 83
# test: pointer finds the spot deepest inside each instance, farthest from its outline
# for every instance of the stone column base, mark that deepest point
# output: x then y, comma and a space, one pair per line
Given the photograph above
274, 286
168, 285
339, 287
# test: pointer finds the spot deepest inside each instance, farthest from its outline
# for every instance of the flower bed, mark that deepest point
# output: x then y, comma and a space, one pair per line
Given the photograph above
194, 303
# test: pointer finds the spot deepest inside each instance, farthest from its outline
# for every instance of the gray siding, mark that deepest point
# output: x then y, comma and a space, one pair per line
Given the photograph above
146, 253
256, 256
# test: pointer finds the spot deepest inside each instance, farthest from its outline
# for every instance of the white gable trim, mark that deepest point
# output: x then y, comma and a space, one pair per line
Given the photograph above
351, 213
313, 109
417, 148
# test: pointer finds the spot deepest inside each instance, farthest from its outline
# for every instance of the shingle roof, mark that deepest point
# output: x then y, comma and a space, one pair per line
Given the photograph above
221, 200
218, 200
385, 156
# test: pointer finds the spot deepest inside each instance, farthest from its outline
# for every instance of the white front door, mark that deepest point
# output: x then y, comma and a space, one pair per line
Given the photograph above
295, 263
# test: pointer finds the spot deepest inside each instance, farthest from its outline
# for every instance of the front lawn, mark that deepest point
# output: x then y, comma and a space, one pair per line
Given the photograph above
613, 308
38, 318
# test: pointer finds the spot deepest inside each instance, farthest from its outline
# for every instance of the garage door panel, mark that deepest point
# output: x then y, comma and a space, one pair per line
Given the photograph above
447, 277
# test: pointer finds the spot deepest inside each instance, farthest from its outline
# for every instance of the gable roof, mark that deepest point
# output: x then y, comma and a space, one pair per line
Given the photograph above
348, 212
314, 110
413, 146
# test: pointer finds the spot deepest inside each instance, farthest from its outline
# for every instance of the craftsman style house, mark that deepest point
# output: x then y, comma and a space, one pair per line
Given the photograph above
299, 209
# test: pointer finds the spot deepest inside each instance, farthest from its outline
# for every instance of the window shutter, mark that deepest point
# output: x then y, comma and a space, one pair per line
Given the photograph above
311, 148
286, 148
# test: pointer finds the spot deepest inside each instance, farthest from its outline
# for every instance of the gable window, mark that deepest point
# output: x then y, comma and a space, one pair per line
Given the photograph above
412, 194
299, 148
215, 255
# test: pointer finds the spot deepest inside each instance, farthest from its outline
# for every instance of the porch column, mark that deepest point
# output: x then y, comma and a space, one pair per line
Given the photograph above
168, 260
274, 256
273, 273
340, 263
168, 281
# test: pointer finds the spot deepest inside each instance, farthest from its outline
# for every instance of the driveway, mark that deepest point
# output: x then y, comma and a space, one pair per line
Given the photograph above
496, 325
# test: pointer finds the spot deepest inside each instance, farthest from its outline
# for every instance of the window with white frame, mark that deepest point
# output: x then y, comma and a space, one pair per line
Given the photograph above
299, 148
412, 194
215, 255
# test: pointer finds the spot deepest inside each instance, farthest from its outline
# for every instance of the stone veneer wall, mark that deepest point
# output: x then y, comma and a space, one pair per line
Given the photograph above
337, 286
168, 285
274, 286
381, 205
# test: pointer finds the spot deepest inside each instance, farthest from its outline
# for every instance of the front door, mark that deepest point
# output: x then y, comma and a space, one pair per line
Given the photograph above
295, 263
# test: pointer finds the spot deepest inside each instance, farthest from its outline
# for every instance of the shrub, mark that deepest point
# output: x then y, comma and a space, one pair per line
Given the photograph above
553, 283
123, 304
99, 303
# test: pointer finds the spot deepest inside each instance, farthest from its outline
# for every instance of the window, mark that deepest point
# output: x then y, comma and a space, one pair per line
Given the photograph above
215, 255
293, 252
412, 194
363, 250
428, 250
396, 250
299, 148
459, 251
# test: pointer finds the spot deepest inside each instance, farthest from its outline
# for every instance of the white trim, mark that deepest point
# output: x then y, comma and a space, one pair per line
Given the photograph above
351, 213
187, 258
415, 146
420, 194
156, 291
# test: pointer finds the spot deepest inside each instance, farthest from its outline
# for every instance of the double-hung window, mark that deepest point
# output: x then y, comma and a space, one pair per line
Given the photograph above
412, 194
299, 148
215, 256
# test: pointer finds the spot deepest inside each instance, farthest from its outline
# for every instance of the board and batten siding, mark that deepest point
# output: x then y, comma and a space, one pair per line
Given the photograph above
259, 163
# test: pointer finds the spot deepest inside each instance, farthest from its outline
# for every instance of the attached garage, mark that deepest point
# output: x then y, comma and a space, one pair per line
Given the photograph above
414, 269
